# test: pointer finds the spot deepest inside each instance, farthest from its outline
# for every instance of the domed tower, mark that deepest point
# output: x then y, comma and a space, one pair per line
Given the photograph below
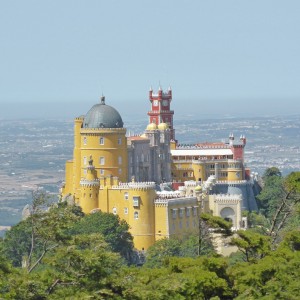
99, 134
103, 137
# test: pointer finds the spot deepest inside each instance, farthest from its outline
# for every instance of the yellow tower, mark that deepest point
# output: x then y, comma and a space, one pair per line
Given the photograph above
99, 134
89, 187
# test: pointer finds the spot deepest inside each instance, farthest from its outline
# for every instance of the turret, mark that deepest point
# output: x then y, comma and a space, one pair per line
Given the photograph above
160, 109
89, 187
243, 139
231, 138
150, 93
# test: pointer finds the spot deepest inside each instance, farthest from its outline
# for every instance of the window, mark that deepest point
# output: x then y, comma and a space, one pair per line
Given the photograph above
84, 160
136, 201
181, 212
194, 211
126, 195
84, 171
120, 160
174, 213
187, 224
101, 172
136, 215
120, 171
101, 141
180, 224
119, 141
188, 211
102, 160
114, 210
84, 140
125, 210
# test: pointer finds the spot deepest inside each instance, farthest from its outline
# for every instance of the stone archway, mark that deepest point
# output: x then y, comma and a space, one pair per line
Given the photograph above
228, 214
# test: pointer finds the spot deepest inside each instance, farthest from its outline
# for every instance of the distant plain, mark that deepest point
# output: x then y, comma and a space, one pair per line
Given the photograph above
33, 152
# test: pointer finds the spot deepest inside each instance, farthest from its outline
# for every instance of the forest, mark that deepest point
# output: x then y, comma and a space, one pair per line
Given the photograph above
57, 252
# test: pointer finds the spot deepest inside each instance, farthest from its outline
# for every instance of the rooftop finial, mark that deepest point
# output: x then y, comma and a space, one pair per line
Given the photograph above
159, 86
91, 160
102, 99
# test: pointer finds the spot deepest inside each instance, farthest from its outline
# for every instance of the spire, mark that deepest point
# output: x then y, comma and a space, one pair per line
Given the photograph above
102, 99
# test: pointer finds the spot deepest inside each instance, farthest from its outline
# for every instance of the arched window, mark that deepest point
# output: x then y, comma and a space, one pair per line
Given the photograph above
114, 210
136, 215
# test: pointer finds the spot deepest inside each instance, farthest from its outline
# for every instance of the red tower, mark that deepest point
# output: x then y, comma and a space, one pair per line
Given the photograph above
160, 109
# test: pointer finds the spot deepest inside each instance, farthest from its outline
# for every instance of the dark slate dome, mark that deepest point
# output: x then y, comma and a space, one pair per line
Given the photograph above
102, 116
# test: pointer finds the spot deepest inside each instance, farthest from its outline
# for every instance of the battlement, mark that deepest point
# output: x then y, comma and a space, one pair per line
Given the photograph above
192, 183
158, 112
168, 195
77, 119
204, 146
233, 183
89, 183
133, 186
228, 199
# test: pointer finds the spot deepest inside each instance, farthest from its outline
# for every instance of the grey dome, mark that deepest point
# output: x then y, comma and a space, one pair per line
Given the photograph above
102, 116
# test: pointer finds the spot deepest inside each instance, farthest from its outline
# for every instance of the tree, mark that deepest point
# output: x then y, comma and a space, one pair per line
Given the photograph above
287, 206
275, 276
253, 245
271, 193
178, 278
28, 242
114, 230
161, 250
273, 171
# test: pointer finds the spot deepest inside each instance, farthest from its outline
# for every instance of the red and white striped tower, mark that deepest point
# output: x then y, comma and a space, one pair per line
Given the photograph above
160, 109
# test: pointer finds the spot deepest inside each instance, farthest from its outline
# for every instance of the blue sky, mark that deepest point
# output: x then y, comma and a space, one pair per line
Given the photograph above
219, 56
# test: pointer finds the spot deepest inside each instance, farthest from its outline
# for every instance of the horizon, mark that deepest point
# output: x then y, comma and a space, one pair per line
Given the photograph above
223, 57
57, 110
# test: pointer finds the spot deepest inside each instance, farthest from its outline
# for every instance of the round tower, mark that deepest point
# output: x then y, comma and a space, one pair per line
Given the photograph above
103, 137
142, 214
89, 189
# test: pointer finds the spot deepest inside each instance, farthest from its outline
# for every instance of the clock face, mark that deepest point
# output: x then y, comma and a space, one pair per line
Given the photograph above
165, 103
155, 103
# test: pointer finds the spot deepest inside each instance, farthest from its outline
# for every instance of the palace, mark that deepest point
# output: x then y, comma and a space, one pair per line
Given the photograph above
156, 185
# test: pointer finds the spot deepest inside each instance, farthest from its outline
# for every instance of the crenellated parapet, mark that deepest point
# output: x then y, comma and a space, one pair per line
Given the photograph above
89, 183
197, 146
132, 186
227, 199
141, 185
192, 183
233, 183
168, 195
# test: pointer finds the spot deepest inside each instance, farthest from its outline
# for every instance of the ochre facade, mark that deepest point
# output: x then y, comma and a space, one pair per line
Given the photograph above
124, 175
